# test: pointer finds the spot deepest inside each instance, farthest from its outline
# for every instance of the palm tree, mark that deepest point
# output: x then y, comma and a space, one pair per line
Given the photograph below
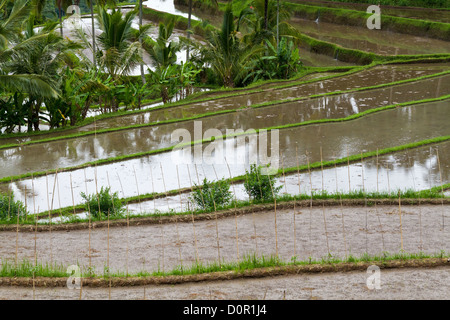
10, 33
268, 20
40, 55
120, 52
91, 7
227, 53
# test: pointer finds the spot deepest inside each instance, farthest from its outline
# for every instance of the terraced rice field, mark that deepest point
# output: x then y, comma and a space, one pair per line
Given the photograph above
363, 167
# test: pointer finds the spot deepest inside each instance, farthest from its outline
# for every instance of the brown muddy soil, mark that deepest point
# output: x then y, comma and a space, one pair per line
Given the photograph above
394, 284
371, 229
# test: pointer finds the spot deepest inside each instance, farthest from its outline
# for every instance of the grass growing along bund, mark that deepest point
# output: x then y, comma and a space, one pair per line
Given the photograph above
203, 141
249, 262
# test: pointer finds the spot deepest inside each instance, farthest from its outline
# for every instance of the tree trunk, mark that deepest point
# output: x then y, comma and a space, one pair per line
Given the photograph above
94, 60
189, 28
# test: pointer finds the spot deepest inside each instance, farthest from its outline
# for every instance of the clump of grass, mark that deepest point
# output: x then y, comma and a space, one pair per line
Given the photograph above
103, 204
259, 186
10, 208
212, 195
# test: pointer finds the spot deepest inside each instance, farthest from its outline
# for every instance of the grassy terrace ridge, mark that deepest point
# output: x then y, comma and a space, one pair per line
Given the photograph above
203, 141
420, 196
210, 114
194, 98
416, 27
29, 273
227, 93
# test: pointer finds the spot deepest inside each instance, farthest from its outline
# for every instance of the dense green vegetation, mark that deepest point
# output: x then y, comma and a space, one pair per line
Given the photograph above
404, 3
30, 269
103, 204
212, 195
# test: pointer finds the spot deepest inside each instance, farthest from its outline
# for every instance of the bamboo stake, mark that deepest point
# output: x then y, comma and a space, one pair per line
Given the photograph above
365, 203
323, 204
36, 218
276, 227
109, 185
442, 189
310, 207
376, 210
348, 170
299, 197
235, 210
160, 221
215, 215
59, 198
10, 198
192, 215
128, 222
17, 236
400, 215
253, 217
414, 189
90, 221
107, 260
342, 209
71, 190
50, 218
137, 188
176, 219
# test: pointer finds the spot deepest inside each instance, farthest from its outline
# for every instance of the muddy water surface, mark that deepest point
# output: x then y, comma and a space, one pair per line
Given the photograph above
401, 284
151, 247
393, 128
376, 41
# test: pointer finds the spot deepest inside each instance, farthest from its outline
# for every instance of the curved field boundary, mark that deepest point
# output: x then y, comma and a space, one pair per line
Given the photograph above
210, 114
417, 27
50, 282
431, 29
204, 141
186, 217
228, 93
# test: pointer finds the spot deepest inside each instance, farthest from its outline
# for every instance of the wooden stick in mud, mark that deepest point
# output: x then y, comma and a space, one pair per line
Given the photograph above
442, 188
365, 203
107, 260
311, 204
275, 215
348, 170
235, 210
341, 208
400, 215
71, 190
192, 215
414, 189
215, 215
26, 204
160, 223
128, 222
96, 191
17, 236
109, 185
176, 219
323, 204
253, 218
10, 198
90, 221
137, 188
59, 199
299, 196
376, 211
36, 218
49, 218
